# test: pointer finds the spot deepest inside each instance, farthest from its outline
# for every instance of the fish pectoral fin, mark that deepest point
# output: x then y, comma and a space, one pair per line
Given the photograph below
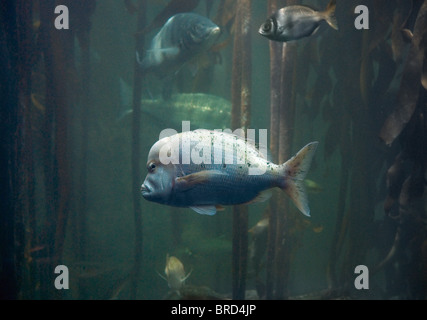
192, 180
207, 210
186, 277
261, 197
173, 51
315, 31
161, 276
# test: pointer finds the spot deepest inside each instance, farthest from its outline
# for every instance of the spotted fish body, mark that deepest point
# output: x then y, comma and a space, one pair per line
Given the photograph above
183, 36
211, 169
296, 22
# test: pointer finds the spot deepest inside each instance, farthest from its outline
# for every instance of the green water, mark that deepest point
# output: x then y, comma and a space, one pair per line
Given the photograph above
345, 84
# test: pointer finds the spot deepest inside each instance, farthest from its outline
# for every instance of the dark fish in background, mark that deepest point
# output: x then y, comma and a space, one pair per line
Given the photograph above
296, 22
184, 36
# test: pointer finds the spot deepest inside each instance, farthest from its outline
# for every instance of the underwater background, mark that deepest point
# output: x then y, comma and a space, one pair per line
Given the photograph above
79, 118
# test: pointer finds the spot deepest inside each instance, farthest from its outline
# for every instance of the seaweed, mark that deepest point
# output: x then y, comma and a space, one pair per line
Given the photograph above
136, 152
410, 86
240, 118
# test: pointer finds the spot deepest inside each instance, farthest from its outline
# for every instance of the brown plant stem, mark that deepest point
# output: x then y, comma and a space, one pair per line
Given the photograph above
136, 152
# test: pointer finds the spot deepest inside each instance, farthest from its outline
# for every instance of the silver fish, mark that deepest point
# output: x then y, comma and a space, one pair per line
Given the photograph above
205, 170
296, 22
183, 36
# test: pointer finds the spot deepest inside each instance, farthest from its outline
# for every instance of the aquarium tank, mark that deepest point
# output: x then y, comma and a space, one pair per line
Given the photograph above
213, 150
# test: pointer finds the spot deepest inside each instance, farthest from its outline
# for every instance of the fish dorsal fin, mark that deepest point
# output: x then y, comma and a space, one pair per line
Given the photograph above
261, 149
261, 197
207, 210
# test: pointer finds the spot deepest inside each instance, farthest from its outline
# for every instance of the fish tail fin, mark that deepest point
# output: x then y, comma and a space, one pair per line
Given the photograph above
330, 14
294, 171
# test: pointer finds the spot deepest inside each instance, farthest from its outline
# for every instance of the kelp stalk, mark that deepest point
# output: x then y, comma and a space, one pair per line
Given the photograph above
16, 166
136, 151
275, 71
285, 217
58, 49
82, 26
240, 118
281, 116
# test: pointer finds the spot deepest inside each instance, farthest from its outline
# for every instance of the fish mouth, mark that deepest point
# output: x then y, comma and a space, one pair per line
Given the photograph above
145, 190
261, 31
215, 31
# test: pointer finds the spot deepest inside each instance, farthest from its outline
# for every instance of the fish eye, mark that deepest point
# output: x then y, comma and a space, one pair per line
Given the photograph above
151, 167
267, 26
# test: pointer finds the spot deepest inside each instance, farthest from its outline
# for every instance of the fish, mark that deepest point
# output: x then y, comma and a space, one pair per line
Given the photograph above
260, 227
175, 273
205, 170
258, 243
182, 38
201, 109
298, 21
313, 186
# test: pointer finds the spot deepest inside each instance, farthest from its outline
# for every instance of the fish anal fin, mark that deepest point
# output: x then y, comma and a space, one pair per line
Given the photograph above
207, 210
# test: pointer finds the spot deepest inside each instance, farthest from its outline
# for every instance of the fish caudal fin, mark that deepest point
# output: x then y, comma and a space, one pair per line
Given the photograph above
330, 14
295, 170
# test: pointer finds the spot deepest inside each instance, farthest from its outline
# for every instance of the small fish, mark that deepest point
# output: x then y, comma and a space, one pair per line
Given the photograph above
296, 22
312, 186
260, 227
175, 273
183, 36
231, 171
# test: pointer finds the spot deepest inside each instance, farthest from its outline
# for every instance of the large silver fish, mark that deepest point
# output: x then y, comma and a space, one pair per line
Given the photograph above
184, 36
205, 170
296, 22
